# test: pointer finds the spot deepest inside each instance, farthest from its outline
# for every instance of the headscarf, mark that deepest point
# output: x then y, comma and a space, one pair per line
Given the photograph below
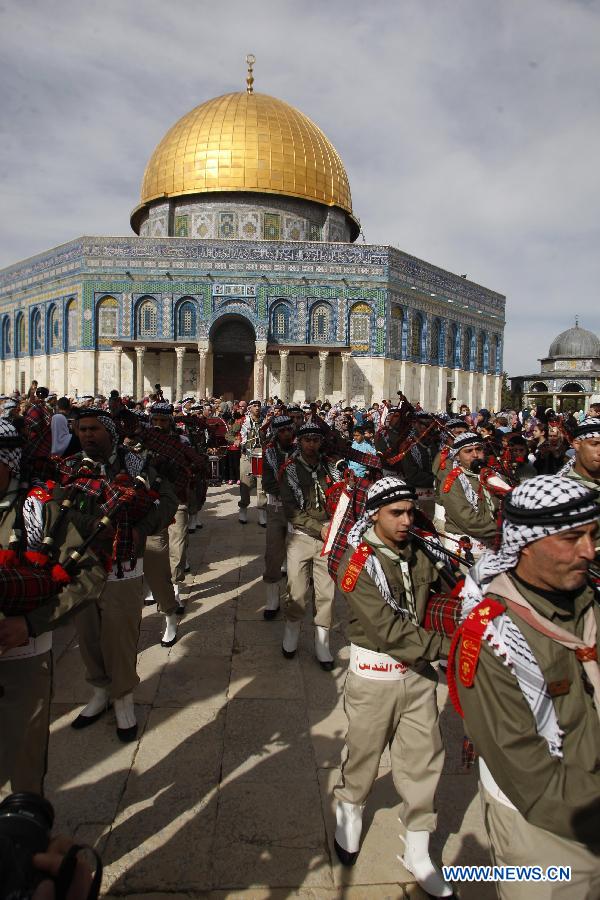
10, 447
537, 508
134, 463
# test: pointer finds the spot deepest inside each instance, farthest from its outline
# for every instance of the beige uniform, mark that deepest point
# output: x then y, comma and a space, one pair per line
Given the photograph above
305, 544
390, 691
251, 440
539, 809
26, 672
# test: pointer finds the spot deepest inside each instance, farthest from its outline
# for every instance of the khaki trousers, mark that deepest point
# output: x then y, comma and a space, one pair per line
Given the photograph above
514, 842
303, 561
275, 544
25, 722
157, 571
247, 482
178, 543
108, 632
404, 715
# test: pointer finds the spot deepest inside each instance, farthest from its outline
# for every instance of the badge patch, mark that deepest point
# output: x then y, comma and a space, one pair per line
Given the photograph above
355, 567
472, 631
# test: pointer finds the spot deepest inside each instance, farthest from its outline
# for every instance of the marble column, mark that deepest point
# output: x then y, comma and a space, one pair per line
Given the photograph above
346, 357
179, 353
139, 372
202, 373
323, 354
284, 375
118, 351
259, 375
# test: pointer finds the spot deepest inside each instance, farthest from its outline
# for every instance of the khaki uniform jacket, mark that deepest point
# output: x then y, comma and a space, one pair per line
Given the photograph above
85, 587
312, 518
461, 518
269, 476
373, 623
591, 483
559, 795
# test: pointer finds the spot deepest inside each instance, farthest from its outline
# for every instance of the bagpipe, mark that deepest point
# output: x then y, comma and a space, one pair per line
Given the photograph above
31, 578
346, 503
122, 502
173, 459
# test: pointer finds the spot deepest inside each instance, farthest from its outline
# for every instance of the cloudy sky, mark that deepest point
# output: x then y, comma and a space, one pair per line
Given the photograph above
470, 129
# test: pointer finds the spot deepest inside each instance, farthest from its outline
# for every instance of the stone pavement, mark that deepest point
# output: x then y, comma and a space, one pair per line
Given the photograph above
227, 792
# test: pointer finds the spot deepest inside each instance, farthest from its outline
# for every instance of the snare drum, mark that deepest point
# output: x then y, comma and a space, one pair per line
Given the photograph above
256, 461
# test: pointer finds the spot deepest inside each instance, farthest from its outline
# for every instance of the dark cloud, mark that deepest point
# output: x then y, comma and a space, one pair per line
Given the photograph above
469, 130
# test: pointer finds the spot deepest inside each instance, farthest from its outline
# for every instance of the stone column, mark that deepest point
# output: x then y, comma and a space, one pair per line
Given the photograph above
323, 354
202, 351
139, 372
346, 357
259, 375
118, 351
284, 375
179, 353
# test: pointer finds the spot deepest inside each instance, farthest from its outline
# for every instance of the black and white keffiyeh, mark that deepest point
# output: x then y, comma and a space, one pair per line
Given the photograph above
291, 474
10, 447
161, 408
589, 428
468, 439
538, 508
134, 463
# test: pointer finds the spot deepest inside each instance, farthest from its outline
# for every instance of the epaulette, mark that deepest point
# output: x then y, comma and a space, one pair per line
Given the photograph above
40, 493
450, 479
470, 634
355, 566
444, 457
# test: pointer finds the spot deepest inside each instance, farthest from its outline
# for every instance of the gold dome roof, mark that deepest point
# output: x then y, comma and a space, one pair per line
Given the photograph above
247, 142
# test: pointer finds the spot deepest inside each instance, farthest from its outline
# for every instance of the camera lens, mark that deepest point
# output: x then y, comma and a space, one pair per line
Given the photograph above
27, 820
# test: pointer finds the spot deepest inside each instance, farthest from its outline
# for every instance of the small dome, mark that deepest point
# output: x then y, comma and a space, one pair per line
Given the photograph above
578, 343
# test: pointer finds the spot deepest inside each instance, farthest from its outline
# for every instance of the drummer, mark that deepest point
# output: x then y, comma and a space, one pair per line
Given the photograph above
251, 441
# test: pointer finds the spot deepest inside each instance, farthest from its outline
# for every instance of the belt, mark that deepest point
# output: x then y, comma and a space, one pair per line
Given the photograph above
376, 666
34, 647
487, 781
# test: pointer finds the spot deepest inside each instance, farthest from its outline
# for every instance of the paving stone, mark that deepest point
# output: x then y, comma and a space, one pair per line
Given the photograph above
189, 679
267, 740
262, 672
267, 836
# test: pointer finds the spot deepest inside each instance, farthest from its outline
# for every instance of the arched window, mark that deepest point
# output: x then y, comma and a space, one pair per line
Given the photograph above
451, 345
572, 387
396, 322
53, 329
486, 353
6, 337
21, 342
186, 319
436, 332
479, 352
36, 330
108, 312
416, 335
539, 387
320, 322
360, 321
72, 316
466, 348
496, 351
147, 319
280, 322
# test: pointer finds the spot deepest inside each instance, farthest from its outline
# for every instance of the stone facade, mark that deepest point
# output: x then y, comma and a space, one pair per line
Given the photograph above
353, 322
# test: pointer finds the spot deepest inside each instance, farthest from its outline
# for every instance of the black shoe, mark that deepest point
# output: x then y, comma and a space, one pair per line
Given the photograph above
346, 858
126, 735
289, 654
168, 643
187, 568
180, 610
270, 614
261, 525
85, 721
327, 667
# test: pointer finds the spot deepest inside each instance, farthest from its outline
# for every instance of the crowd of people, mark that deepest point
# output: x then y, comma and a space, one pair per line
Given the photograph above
463, 543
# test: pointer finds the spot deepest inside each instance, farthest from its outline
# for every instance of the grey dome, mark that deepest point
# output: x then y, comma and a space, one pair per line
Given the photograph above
575, 342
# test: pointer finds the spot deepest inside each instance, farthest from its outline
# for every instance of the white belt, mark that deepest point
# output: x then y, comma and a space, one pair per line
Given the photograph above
487, 780
274, 501
376, 666
34, 647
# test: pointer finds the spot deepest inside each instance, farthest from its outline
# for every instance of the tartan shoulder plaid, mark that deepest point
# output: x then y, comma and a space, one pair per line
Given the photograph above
354, 512
24, 588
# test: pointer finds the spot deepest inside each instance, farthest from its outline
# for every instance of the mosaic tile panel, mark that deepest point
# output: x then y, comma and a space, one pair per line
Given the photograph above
271, 226
227, 225
181, 226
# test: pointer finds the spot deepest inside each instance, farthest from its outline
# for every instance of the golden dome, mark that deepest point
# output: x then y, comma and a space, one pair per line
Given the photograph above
247, 142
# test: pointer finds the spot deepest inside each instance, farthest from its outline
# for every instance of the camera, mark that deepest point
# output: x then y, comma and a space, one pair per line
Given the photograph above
25, 824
